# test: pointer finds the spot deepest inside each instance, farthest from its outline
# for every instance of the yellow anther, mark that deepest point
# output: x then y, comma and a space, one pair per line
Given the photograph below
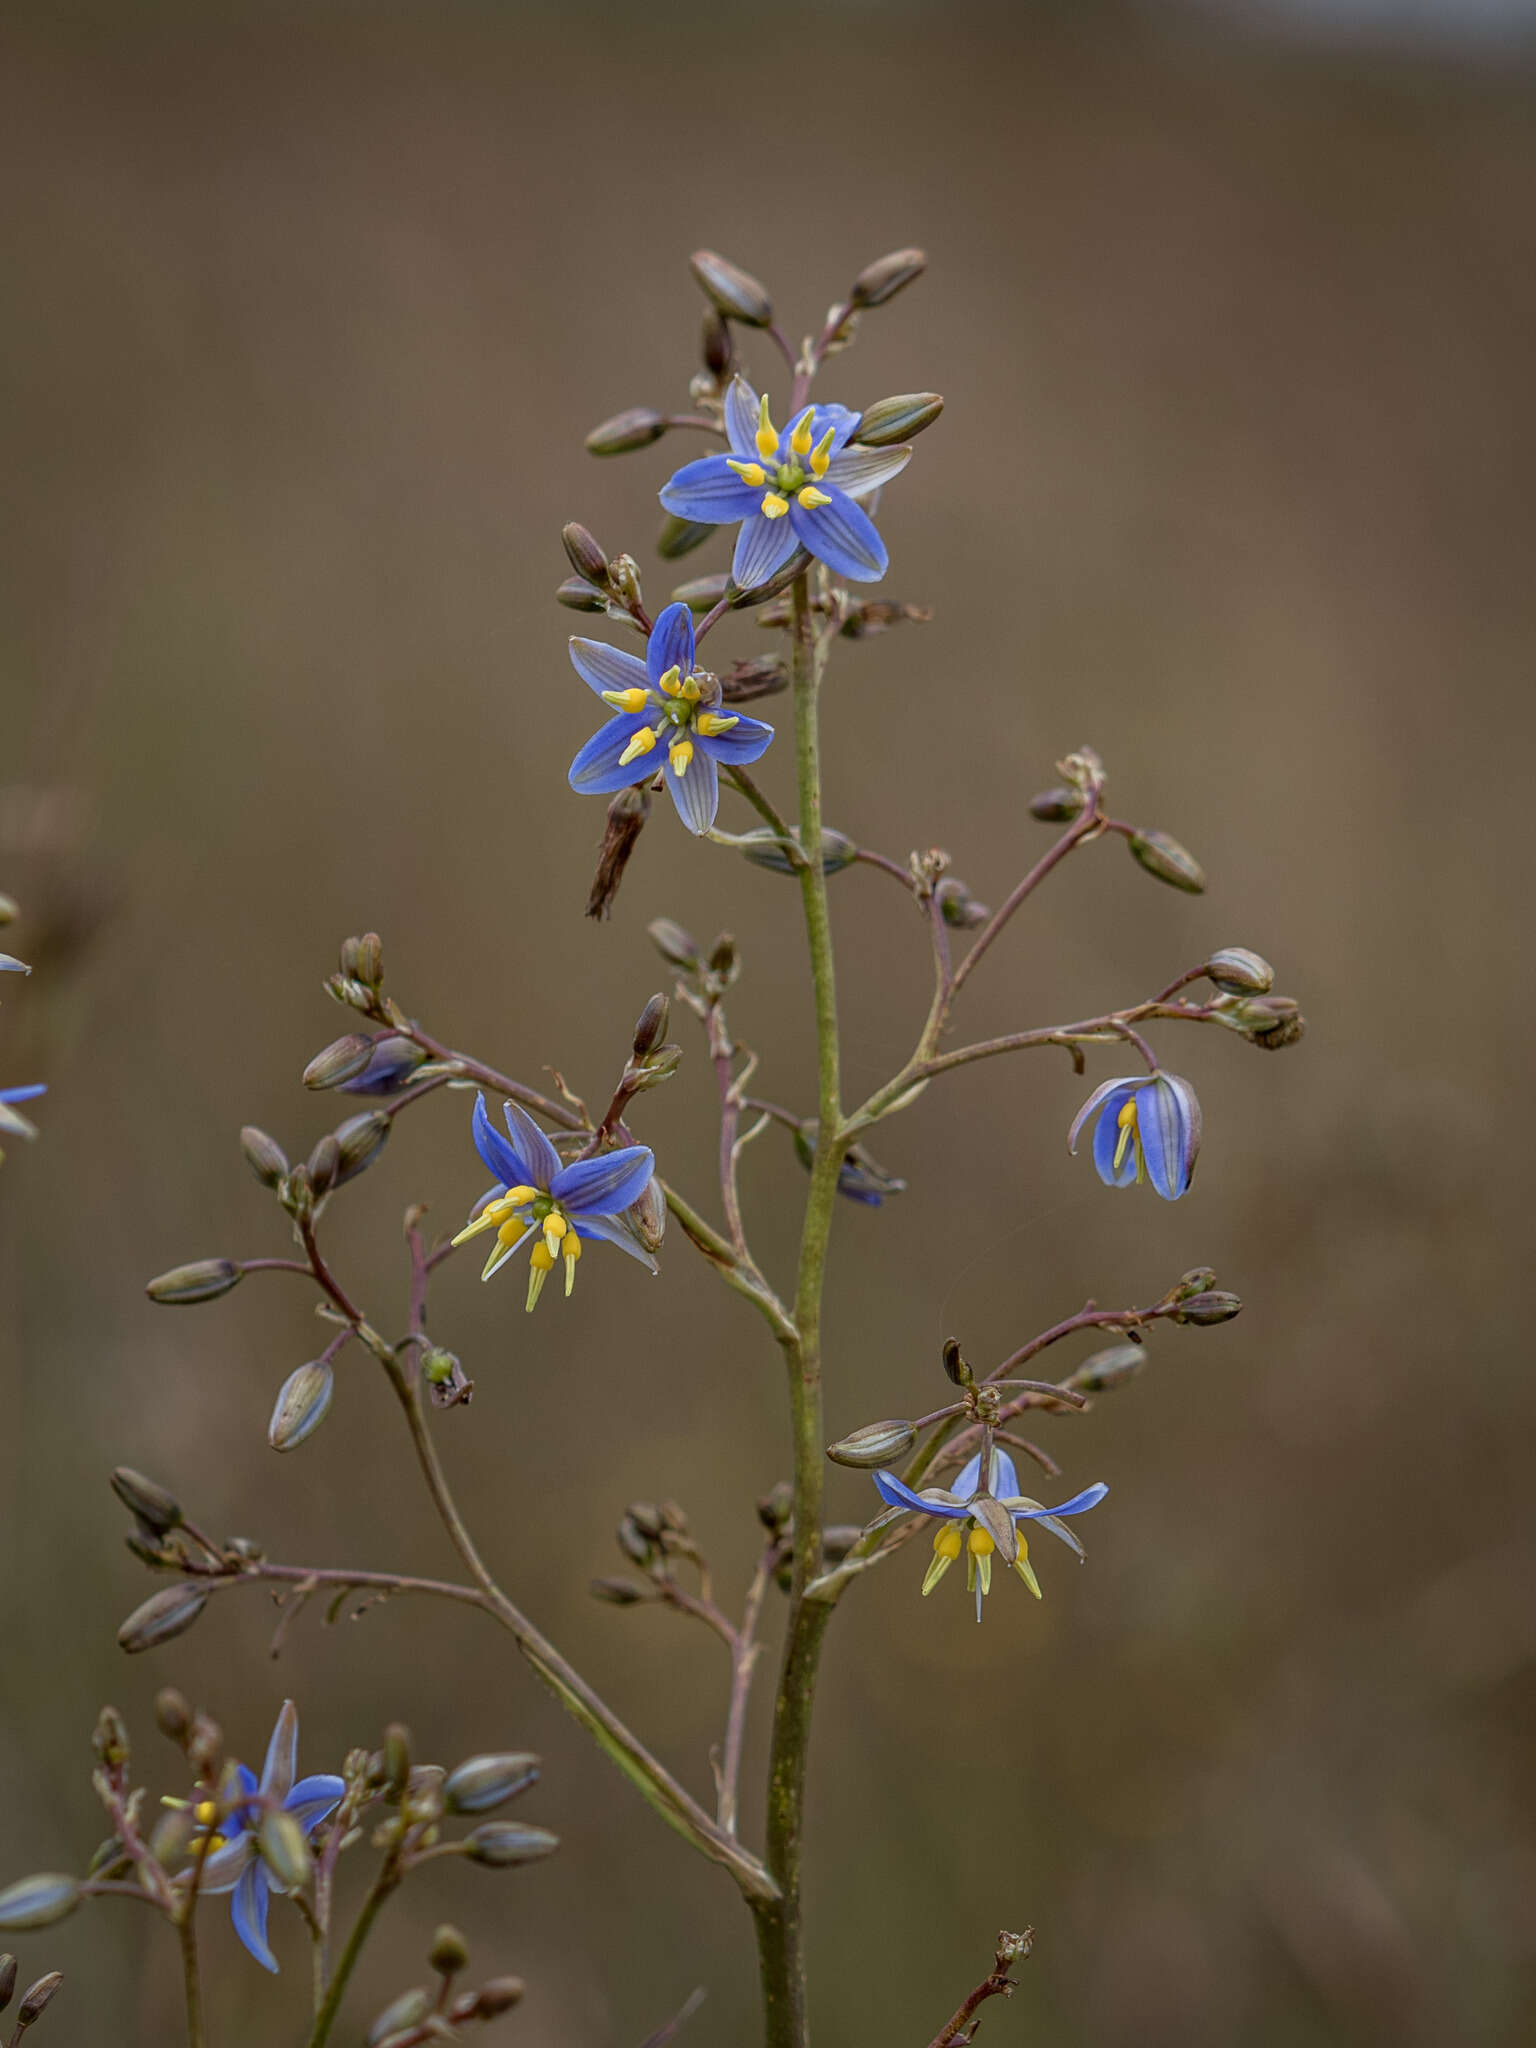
710, 724
510, 1231
680, 755
554, 1227
981, 1542
1026, 1570
692, 689
800, 439
491, 1216
1129, 1134
810, 498
752, 474
642, 743
541, 1263
206, 1812
670, 681
570, 1251
520, 1197
947, 1542
767, 436
774, 507
821, 454
627, 700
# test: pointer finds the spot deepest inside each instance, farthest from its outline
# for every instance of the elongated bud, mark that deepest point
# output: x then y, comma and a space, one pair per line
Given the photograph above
955, 1366
323, 1164
679, 537
495, 1997
651, 1027
170, 1612
400, 2018
37, 1998
1056, 806
578, 595
1111, 1367
500, 1844
203, 1280
890, 421
7, 1972
302, 1405
766, 675
881, 280
636, 428
1161, 855
362, 959
731, 290
716, 346
877, 1443
585, 555
958, 907
341, 1059
10, 909
703, 593
1237, 972
636, 1545
263, 1155
173, 1714
1215, 1307
142, 1497
396, 1760
284, 1849
482, 1783
37, 1901
360, 1141
765, 849
677, 947
449, 1952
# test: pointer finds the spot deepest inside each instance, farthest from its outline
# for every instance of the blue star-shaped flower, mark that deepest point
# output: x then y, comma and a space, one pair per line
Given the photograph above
1148, 1129
791, 489
556, 1205
662, 701
994, 1513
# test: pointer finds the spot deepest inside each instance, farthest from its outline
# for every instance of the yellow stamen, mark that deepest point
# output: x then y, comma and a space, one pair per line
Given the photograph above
752, 474
800, 439
642, 743
627, 700
570, 1252
1026, 1570
981, 1542
680, 754
692, 689
774, 507
821, 454
767, 436
670, 683
710, 724
554, 1227
1129, 1134
493, 1215
946, 1548
810, 498
541, 1264
206, 1811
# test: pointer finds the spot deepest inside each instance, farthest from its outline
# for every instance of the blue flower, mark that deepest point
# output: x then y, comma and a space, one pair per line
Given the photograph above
662, 700
19, 1126
994, 1514
791, 489
555, 1205
1148, 1129
234, 1862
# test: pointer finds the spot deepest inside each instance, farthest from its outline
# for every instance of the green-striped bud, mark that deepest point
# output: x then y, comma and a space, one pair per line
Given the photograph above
449, 1952
203, 1280
501, 1844
263, 1155
302, 1405
890, 421
37, 1998
142, 1497
284, 1849
703, 593
496, 1997
585, 554
636, 428
360, 1140
1056, 806
886, 276
341, 1059
578, 595
651, 1025
1111, 1367
677, 947
482, 1783
877, 1443
765, 848
1214, 1307
38, 1901
170, 1612
1238, 972
679, 537
7, 1962
402, 2016
1161, 855
733, 291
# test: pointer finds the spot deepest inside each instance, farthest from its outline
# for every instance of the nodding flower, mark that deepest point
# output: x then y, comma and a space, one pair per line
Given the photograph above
789, 489
984, 1521
666, 715
557, 1206
1148, 1128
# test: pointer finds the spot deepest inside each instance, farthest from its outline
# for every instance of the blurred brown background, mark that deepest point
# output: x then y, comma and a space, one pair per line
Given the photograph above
303, 315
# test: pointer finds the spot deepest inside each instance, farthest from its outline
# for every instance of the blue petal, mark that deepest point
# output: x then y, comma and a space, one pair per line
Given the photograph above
858, 471
538, 1159
1106, 1140
1005, 1477
741, 414
1079, 1504
313, 1800
9, 964
839, 419
494, 1150
763, 546
24, 1094
671, 643
968, 1478
1168, 1118
842, 536
222, 1871
612, 1231
602, 667
709, 492
1100, 1094
391, 1063
897, 1494
604, 1185
282, 1762
747, 740
248, 1910
696, 793
597, 769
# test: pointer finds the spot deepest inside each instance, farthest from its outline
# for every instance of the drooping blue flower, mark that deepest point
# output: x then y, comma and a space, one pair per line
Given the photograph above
234, 1861
662, 701
791, 489
993, 1513
556, 1205
1148, 1129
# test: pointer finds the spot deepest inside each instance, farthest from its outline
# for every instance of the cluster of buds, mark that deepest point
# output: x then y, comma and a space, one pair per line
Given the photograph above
1246, 1003
434, 2013
653, 1538
703, 975
35, 2000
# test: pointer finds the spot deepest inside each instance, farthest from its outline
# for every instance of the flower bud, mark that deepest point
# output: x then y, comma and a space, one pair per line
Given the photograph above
7, 1962
173, 1715
341, 1059
302, 1405
780, 580
447, 1382
263, 1155
499, 1844
395, 1759
37, 1901
361, 1139
142, 1497
677, 947
955, 1366
1161, 855
703, 593
37, 1997
618, 1592
716, 346
401, 2016
958, 907
886, 276
110, 1739
586, 557
1109, 1368
624, 580
496, 1997
636, 428
775, 1509
730, 290
170, 1612
627, 813
1198, 1280
647, 1518
482, 1783
1056, 806
205, 1750
679, 537
203, 1280
651, 1026
578, 595
766, 849
449, 1952
10, 909
362, 960
1272, 1022
1237, 972
763, 676
1213, 1307
877, 1443
633, 1541
323, 1164
890, 421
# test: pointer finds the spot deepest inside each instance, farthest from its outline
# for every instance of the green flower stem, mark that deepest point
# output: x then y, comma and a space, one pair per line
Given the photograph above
362, 1927
779, 1922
